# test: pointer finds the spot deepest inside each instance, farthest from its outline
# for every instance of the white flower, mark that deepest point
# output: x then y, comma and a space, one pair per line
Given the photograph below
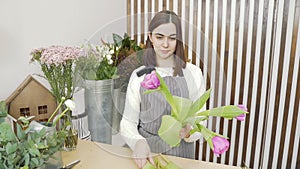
108, 57
110, 61
70, 104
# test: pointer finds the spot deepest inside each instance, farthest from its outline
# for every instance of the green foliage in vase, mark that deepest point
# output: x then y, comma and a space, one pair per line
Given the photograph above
105, 61
26, 148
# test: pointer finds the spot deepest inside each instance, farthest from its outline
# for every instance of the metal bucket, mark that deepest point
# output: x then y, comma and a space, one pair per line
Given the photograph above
118, 108
99, 107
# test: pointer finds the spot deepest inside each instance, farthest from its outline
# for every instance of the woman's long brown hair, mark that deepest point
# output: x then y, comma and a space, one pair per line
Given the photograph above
149, 58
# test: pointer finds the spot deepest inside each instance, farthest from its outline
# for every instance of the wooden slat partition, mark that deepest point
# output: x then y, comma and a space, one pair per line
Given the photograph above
249, 52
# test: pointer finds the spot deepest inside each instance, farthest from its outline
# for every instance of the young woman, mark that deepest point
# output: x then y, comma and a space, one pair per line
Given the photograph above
142, 114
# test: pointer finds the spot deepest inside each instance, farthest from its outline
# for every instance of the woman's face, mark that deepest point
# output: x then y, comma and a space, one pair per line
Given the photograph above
164, 41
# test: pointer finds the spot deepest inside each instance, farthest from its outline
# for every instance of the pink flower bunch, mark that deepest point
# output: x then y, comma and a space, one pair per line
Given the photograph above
58, 54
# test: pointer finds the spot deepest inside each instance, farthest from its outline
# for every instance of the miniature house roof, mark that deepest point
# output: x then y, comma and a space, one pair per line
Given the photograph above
21, 87
31, 98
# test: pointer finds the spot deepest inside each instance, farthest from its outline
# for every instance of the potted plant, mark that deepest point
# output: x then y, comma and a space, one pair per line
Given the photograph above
57, 64
100, 70
28, 148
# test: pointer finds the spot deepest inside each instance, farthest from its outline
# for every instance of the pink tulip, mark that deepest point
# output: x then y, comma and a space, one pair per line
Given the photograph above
241, 117
242, 107
151, 81
221, 145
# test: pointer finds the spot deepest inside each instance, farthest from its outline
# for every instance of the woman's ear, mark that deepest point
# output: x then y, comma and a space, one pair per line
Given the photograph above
150, 37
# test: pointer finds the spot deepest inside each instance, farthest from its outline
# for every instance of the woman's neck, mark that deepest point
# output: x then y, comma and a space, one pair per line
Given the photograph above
167, 62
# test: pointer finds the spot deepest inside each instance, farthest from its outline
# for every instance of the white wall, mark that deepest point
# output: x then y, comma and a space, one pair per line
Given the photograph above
30, 24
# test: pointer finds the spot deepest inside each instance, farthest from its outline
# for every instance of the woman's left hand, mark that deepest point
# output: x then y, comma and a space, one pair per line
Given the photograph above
185, 131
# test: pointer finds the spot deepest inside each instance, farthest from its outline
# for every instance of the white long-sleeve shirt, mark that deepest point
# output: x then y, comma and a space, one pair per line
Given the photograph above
130, 120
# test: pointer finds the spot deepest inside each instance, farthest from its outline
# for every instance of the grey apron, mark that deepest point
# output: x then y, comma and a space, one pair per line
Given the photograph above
153, 107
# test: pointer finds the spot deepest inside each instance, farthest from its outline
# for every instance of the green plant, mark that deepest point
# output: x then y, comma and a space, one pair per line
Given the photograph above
26, 148
105, 61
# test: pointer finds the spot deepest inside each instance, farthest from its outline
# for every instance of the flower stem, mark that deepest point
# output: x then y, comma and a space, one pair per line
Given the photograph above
62, 114
59, 105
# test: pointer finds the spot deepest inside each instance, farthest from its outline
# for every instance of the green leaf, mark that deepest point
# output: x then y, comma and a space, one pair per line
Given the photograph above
3, 109
199, 103
26, 158
183, 106
6, 133
169, 130
35, 161
20, 133
226, 111
11, 148
117, 39
152, 90
148, 165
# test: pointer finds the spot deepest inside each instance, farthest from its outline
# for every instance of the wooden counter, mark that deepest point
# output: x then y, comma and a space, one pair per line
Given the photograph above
97, 155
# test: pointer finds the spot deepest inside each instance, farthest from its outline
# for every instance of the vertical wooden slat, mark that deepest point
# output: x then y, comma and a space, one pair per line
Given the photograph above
229, 67
247, 68
129, 17
285, 76
186, 26
190, 28
156, 7
297, 137
146, 21
138, 21
142, 33
255, 80
199, 33
179, 8
160, 5
199, 37
265, 75
222, 77
205, 61
214, 69
292, 112
273, 86
135, 27
171, 7
164, 5
149, 10
238, 83
195, 31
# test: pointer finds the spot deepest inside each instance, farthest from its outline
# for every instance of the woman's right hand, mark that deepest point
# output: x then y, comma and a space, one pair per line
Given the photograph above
142, 153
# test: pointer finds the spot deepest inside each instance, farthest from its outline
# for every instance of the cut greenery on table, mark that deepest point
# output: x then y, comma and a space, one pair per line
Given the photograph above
161, 162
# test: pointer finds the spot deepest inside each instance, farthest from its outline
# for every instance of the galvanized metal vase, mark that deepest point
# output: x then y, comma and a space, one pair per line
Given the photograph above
99, 107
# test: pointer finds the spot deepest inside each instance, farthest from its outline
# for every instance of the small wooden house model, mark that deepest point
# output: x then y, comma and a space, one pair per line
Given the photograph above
31, 98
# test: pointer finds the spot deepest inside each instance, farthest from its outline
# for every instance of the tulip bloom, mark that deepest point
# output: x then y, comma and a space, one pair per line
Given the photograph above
220, 144
241, 117
151, 81
242, 107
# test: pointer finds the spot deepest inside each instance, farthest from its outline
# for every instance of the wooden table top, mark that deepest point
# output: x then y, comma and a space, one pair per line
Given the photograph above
93, 155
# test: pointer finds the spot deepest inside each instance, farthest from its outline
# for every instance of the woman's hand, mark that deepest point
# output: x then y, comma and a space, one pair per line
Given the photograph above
142, 153
185, 131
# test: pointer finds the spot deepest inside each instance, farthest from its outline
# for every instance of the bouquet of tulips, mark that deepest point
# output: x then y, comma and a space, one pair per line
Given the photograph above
185, 112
